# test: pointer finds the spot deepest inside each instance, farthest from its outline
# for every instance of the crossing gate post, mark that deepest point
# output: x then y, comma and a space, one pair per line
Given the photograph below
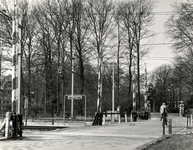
7, 125
15, 124
163, 127
170, 126
125, 117
103, 119
131, 118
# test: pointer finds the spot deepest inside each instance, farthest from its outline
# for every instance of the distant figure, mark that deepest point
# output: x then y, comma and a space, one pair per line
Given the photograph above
162, 112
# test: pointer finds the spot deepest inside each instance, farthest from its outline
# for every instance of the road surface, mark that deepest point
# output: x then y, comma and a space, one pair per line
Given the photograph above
124, 136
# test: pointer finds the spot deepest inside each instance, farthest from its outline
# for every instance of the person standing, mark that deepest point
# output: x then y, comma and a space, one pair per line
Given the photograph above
163, 111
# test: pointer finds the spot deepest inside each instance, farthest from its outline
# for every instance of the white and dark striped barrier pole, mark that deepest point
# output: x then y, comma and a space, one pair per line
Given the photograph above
16, 57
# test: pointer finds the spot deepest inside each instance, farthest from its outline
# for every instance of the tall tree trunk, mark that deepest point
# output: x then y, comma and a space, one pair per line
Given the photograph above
138, 75
81, 75
58, 78
130, 77
29, 79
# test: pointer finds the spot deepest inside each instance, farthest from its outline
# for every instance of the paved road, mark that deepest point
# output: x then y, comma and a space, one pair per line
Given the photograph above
124, 136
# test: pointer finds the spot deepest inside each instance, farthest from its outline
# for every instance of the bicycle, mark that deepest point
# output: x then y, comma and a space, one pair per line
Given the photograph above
164, 120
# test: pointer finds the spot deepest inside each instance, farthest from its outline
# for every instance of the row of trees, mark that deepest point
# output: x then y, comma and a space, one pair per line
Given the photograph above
93, 33
174, 83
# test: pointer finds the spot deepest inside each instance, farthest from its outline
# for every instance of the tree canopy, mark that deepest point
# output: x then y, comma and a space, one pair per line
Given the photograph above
56, 34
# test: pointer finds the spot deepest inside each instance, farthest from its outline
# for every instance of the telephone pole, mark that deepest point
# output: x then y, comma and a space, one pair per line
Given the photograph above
16, 55
0, 76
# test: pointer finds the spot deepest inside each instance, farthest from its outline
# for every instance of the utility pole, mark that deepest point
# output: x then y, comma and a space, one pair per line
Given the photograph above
118, 81
138, 55
0, 62
0, 75
113, 92
16, 55
72, 24
16, 77
72, 88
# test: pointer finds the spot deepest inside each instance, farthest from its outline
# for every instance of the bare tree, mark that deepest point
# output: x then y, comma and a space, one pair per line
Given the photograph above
5, 36
30, 52
53, 23
135, 18
162, 79
28, 46
179, 28
100, 17
81, 35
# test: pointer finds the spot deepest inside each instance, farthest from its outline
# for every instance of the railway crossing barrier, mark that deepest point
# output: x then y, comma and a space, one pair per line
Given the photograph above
11, 126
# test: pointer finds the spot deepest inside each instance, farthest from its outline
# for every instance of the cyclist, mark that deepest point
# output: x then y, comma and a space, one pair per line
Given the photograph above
163, 111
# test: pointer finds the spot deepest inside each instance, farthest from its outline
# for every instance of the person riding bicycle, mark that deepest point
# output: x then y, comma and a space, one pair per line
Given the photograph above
163, 111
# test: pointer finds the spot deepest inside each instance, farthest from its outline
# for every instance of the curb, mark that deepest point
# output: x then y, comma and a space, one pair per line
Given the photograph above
153, 142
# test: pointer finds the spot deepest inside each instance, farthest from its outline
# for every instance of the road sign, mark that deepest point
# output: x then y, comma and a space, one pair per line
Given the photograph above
75, 97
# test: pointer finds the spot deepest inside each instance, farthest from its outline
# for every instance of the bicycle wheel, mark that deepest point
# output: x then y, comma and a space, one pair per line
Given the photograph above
164, 122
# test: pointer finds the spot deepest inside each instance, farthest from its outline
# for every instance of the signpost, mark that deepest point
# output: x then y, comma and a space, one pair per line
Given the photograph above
75, 97
26, 109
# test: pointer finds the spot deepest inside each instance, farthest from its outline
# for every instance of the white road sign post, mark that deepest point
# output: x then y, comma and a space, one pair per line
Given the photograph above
75, 97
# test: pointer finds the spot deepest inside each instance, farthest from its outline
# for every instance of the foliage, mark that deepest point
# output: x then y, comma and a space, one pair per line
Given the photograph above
179, 29
51, 30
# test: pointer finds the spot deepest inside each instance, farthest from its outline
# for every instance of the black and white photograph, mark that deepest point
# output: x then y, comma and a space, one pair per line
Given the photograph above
96, 74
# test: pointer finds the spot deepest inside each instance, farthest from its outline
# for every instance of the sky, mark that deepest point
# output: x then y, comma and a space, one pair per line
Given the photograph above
161, 53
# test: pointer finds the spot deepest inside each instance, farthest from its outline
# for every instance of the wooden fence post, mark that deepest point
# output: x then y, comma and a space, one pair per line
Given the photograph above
170, 126
125, 117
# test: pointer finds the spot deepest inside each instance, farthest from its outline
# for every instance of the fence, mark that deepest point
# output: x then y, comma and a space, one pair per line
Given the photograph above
177, 127
183, 125
113, 116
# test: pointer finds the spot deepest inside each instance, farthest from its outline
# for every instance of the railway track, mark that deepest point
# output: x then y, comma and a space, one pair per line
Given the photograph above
43, 127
